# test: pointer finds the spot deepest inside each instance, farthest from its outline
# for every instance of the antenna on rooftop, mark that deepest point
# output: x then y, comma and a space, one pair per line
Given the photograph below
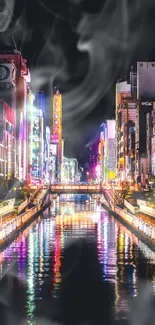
14, 43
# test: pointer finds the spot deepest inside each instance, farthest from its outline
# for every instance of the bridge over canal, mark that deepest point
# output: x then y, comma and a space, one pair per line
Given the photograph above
77, 189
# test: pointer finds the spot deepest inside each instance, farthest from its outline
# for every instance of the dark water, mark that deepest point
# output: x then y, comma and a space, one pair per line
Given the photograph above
31, 267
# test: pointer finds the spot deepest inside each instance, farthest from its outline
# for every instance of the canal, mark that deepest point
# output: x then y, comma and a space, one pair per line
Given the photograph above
52, 248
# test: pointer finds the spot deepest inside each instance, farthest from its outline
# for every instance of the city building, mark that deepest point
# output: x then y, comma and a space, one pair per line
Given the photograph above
134, 124
30, 109
125, 117
57, 131
153, 145
70, 170
47, 156
14, 80
40, 103
37, 146
7, 141
108, 173
131, 151
144, 120
93, 160
53, 152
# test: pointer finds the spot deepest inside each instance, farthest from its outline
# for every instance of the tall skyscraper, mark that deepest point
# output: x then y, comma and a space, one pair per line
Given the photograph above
109, 151
40, 103
37, 145
93, 160
57, 129
125, 115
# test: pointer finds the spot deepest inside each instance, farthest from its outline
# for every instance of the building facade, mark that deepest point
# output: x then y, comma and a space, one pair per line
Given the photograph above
70, 170
57, 130
14, 80
47, 156
109, 152
125, 116
37, 146
40, 103
7, 141
93, 161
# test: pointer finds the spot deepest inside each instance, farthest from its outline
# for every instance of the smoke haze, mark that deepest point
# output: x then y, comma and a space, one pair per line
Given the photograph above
82, 48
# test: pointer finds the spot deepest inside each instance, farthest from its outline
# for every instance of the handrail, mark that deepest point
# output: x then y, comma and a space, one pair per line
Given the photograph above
75, 187
16, 223
137, 223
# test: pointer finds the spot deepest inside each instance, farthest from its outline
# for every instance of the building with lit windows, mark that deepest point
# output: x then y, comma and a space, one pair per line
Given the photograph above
47, 156
70, 170
53, 153
144, 120
57, 131
14, 79
40, 103
30, 109
125, 117
93, 160
37, 146
109, 154
7, 140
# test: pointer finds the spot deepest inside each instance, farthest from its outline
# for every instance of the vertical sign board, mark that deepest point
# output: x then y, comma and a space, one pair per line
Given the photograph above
57, 121
1, 121
36, 161
54, 151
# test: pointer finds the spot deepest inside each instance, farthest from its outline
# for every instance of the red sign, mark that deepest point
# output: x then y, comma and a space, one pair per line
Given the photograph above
9, 114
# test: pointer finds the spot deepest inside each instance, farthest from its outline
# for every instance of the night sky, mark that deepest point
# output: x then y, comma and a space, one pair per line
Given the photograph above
83, 48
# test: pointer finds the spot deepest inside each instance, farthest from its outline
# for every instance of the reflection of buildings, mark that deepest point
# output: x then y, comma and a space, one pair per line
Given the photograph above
57, 260
79, 224
30, 277
127, 266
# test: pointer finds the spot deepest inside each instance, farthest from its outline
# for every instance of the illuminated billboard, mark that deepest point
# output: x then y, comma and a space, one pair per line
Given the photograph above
37, 146
57, 114
53, 149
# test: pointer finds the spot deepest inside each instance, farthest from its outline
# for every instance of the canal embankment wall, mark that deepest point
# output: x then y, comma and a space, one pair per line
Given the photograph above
13, 228
144, 231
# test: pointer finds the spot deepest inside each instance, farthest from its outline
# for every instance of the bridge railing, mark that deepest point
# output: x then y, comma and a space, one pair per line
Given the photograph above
76, 187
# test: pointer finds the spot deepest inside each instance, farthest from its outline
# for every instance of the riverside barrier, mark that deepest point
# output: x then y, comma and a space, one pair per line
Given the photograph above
23, 205
16, 223
131, 207
10, 229
137, 223
143, 230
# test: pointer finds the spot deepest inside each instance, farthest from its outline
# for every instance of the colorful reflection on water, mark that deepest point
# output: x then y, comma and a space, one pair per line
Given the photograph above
38, 251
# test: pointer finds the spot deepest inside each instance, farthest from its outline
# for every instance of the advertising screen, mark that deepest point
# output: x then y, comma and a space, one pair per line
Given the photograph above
37, 127
53, 149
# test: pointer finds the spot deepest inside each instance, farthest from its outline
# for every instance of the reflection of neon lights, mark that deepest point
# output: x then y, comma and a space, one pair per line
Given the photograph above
41, 252
57, 264
126, 246
30, 277
105, 249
